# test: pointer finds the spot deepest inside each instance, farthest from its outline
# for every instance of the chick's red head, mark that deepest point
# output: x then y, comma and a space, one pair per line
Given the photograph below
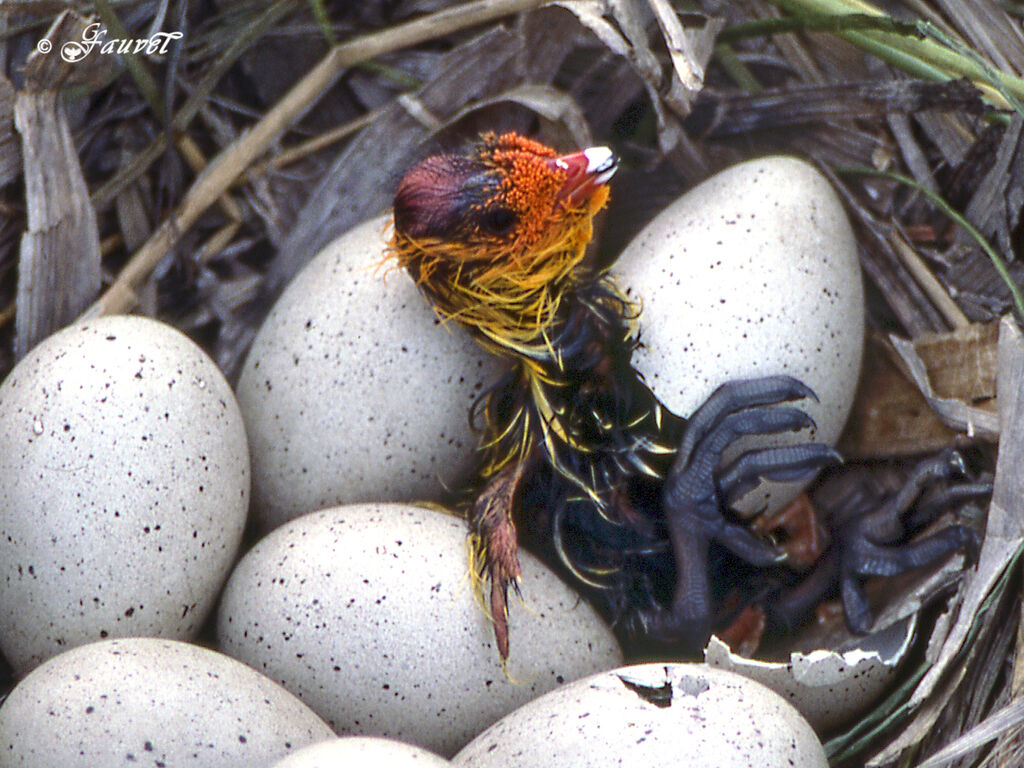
493, 236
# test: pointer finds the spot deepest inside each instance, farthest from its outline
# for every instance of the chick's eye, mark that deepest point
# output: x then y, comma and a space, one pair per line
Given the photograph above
498, 221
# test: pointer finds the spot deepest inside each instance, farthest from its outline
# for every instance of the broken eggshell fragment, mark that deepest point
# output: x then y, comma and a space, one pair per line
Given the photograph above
827, 687
651, 715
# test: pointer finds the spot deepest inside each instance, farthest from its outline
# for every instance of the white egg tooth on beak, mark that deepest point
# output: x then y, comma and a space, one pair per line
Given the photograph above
601, 163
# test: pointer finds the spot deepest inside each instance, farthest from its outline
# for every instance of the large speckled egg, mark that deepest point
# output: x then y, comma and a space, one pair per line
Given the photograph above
124, 485
752, 273
153, 702
651, 715
367, 613
354, 390
362, 752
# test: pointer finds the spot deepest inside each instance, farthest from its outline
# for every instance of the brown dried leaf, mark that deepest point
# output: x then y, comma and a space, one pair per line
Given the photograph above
956, 373
890, 417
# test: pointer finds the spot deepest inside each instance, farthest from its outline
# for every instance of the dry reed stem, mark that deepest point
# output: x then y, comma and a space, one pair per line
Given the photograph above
930, 284
315, 144
236, 158
197, 162
218, 241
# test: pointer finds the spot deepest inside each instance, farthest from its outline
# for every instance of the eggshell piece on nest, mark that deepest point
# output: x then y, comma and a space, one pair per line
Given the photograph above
362, 752
124, 487
829, 688
354, 391
367, 613
651, 714
147, 701
752, 273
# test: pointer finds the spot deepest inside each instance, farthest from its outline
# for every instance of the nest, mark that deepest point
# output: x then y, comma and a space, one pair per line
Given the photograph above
192, 181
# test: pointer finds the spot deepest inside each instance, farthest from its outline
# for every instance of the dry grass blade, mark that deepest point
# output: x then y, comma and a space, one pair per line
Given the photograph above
236, 159
10, 151
193, 104
992, 728
997, 261
687, 68
59, 264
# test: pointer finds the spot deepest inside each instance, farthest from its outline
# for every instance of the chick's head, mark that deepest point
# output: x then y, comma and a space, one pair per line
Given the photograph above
493, 236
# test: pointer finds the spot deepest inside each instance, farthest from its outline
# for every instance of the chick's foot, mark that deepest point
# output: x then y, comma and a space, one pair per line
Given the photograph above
874, 539
698, 492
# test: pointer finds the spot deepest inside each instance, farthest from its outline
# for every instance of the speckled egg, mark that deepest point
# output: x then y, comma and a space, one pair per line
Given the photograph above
354, 390
124, 485
362, 752
752, 273
651, 715
152, 702
367, 613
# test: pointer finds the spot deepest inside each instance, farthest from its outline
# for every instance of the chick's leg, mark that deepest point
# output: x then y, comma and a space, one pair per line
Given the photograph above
869, 541
872, 536
698, 491
497, 550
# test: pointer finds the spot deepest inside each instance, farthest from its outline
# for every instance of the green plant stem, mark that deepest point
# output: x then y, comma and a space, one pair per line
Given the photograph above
956, 216
735, 68
920, 53
323, 19
814, 23
136, 66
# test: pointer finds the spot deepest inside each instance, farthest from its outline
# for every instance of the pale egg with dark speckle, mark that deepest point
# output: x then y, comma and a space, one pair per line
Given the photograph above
651, 715
362, 752
124, 487
367, 612
354, 391
151, 702
752, 273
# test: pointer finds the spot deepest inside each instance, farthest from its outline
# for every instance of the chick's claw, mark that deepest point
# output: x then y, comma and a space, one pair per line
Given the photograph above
698, 491
868, 543
734, 395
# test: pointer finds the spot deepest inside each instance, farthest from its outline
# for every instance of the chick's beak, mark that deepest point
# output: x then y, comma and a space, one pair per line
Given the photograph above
586, 172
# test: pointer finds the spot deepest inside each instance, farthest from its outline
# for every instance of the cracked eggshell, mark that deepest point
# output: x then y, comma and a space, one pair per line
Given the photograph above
366, 612
651, 715
354, 391
829, 688
124, 486
362, 752
752, 273
149, 701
